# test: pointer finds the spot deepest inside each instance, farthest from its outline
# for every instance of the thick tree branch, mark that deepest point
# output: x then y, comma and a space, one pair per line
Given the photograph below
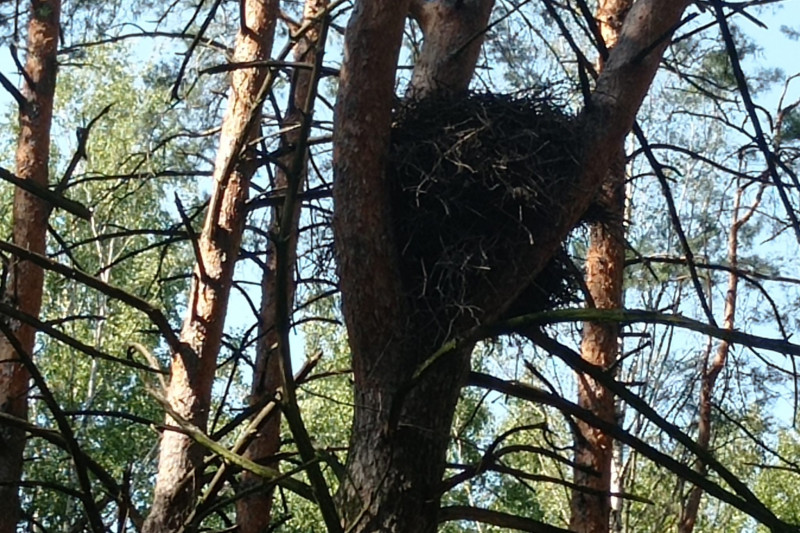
629, 316
154, 314
52, 197
496, 518
91, 351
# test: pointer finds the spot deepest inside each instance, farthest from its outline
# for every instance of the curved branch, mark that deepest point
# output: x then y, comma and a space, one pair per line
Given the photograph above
496, 518
751, 507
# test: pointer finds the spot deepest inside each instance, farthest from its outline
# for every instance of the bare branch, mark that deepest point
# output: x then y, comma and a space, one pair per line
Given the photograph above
496, 518
47, 195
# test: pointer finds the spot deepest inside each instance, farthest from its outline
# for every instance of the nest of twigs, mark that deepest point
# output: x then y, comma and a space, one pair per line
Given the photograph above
473, 178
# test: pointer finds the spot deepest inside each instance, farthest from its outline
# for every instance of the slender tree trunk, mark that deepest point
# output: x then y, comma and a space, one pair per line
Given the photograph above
605, 261
712, 370
254, 510
400, 435
617, 482
192, 371
24, 284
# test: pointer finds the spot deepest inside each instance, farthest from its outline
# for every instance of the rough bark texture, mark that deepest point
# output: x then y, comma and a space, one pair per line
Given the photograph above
192, 371
453, 33
400, 435
374, 307
253, 512
24, 284
605, 261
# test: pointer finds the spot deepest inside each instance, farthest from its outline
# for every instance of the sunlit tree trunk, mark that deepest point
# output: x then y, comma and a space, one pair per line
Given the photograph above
453, 34
605, 261
24, 283
254, 510
192, 371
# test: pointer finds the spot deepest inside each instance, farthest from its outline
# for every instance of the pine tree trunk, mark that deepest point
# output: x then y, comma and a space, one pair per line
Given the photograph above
453, 35
400, 435
24, 284
192, 371
253, 512
605, 261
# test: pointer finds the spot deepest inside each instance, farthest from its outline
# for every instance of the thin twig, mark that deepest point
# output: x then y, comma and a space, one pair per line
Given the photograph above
22, 102
658, 168
80, 151
760, 138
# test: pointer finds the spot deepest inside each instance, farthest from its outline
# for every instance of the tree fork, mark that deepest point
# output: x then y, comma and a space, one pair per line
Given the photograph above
386, 347
395, 472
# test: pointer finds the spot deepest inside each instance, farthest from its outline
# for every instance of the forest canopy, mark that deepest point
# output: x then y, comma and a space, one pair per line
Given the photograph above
399, 266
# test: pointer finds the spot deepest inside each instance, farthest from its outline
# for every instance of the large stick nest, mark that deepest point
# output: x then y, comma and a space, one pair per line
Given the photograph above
473, 177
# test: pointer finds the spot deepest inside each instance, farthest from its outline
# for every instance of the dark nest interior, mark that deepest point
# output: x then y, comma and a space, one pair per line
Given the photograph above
473, 178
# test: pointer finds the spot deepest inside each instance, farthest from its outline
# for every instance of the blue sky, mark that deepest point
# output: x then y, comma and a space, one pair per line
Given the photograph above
777, 48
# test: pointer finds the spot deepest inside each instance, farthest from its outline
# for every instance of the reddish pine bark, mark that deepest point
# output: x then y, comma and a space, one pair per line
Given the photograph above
24, 288
374, 307
605, 262
192, 371
253, 512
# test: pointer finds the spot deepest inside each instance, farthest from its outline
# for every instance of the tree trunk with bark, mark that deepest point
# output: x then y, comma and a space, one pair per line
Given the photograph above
192, 370
408, 433
253, 512
605, 262
453, 34
401, 426
24, 283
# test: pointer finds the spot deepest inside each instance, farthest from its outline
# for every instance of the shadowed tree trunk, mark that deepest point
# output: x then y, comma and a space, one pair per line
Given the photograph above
192, 371
407, 452
400, 429
605, 261
453, 34
24, 283
253, 512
